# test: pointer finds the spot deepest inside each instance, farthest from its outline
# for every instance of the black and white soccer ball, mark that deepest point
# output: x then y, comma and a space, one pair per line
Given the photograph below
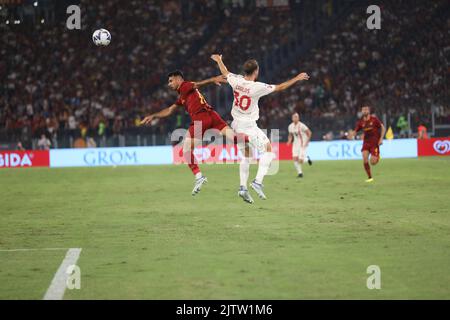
101, 37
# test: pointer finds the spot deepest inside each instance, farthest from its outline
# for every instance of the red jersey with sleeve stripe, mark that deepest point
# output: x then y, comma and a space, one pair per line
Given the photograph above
191, 99
371, 129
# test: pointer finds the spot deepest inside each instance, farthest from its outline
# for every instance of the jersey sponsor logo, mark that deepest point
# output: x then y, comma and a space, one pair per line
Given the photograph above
442, 146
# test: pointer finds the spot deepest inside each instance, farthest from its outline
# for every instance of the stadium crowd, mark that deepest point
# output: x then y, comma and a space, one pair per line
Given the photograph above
56, 83
404, 67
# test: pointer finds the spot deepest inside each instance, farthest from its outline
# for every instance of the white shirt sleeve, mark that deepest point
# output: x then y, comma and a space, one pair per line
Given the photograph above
233, 79
263, 89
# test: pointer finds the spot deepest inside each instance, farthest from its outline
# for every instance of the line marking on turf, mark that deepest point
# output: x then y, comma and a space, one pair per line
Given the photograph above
58, 285
32, 249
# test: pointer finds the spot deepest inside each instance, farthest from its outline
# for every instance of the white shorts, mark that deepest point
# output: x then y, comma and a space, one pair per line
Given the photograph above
250, 128
298, 151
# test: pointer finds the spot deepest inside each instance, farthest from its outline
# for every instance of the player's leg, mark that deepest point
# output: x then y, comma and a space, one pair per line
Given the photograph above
301, 160
297, 165
374, 160
190, 142
264, 163
244, 166
305, 152
375, 156
365, 154
244, 171
238, 136
218, 123
295, 155
233, 136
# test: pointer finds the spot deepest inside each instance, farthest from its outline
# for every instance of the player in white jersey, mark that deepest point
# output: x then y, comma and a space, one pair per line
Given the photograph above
299, 137
245, 112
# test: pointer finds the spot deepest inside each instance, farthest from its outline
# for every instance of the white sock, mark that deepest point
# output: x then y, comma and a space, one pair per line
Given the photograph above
198, 175
298, 166
264, 165
244, 170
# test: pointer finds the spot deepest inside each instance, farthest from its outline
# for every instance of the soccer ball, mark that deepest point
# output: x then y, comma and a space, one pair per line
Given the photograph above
101, 37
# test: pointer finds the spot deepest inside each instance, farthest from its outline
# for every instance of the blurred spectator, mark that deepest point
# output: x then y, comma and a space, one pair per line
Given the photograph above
44, 143
402, 125
328, 136
90, 143
20, 146
422, 132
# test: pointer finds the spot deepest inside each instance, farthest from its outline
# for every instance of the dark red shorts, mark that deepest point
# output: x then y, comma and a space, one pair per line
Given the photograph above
208, 120
373, 148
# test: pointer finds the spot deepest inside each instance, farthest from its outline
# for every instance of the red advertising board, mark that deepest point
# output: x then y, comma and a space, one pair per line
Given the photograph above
24, 159
227, 153
433, 147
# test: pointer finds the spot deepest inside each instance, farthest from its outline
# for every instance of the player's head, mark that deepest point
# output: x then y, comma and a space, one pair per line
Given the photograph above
365, 110
295, 117
175, 79
251, 69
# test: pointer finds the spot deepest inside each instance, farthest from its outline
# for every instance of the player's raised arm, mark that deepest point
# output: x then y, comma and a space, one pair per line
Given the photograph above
287, 84
161, 114
216, 80
218, 59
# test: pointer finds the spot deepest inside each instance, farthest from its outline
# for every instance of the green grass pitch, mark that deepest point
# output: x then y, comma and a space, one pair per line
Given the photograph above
143, 236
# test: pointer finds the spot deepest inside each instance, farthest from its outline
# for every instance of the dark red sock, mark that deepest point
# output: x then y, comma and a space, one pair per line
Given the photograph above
367, 167
194, 168
239, 137
191, 161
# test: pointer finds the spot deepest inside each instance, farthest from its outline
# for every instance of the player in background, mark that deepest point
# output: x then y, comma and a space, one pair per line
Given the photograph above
245, 111
201, 113
373, 133
300, 134
422, 131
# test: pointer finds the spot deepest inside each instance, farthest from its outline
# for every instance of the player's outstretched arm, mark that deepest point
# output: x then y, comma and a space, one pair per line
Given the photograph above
287, 84
216, 80
218, 59
161, 114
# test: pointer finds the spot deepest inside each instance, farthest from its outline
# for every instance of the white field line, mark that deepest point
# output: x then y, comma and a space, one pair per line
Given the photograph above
58, 284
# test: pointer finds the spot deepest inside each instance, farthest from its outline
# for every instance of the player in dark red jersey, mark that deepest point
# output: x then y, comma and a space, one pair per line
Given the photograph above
373, 133
203, 117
